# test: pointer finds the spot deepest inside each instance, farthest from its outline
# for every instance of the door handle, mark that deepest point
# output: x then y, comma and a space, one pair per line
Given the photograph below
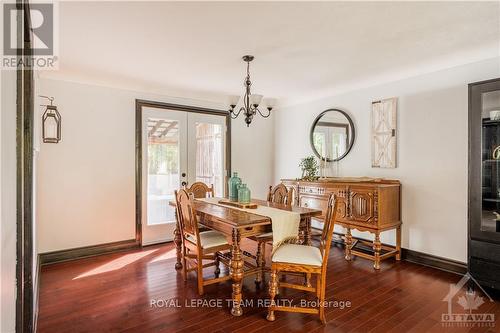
184, 183
183, 174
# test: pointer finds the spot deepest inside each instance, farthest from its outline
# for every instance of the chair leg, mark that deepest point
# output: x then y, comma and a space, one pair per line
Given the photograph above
184, 265
199, 263
261, 248
307, 280
322, 316
318, 287
273, 286
217, 263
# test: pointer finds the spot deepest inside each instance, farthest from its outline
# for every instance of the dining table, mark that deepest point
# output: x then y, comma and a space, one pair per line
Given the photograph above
237, 224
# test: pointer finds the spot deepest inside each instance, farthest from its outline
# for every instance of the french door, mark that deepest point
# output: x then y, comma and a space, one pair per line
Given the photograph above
178, 149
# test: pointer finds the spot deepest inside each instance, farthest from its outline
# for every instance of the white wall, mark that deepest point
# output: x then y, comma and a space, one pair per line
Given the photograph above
8, 202
86, 183
432, 151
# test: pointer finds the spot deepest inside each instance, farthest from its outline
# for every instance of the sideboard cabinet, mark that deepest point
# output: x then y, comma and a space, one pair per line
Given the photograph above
372, 204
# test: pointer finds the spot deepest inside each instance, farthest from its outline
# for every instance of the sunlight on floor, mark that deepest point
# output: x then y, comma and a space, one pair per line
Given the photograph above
167, 255
116, 264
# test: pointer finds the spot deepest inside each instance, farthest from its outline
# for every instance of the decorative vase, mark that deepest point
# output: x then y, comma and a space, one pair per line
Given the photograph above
243, 194
233, 184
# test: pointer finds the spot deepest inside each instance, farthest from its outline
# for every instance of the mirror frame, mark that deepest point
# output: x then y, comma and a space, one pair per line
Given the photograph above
353, 130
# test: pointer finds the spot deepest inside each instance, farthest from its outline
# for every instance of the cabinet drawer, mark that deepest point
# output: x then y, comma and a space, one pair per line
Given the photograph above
311, 190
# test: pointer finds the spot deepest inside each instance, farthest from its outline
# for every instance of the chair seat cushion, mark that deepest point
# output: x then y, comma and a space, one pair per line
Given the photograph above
210, 238
298, 254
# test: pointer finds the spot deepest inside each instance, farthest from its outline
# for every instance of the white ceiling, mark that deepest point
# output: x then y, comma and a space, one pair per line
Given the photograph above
302, 50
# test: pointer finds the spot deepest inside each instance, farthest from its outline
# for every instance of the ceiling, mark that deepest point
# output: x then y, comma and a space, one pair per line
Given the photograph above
302, 50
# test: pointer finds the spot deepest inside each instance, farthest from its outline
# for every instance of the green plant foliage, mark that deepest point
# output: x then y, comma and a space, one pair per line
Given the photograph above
309, 167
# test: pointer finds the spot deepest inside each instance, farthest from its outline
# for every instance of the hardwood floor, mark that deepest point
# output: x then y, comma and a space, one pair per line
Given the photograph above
113, 293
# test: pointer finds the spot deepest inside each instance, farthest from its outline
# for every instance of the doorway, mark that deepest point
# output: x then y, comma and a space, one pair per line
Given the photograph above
179, 145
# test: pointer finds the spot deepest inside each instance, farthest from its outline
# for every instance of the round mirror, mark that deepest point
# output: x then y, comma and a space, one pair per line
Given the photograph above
332, 135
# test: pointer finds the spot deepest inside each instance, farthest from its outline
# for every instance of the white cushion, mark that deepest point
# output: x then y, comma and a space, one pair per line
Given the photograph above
210, 238
298, 254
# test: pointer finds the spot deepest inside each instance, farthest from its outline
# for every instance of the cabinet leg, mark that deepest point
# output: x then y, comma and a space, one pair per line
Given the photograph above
398, 243
348, 244
377, 246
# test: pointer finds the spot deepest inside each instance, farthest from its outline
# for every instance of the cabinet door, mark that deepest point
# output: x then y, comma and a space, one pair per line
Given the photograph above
362, 204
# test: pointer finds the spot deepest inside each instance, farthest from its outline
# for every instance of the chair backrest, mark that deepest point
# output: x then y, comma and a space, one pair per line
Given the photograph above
186, 214
280, 194
327, 234
294, 196
201, 190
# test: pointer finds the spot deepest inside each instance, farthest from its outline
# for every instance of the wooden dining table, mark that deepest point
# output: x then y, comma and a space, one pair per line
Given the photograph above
238, 224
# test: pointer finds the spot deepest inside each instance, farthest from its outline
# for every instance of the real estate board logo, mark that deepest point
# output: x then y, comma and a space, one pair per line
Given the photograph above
472, 299
43, 53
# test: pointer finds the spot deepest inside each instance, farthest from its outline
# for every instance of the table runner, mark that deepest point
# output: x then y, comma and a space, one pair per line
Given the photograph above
285, 224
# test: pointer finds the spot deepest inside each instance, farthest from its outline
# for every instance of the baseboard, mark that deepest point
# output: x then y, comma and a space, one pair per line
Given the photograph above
161, 241
430, 260
87, 251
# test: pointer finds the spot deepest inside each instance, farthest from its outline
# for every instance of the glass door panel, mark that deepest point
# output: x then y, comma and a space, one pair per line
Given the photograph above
490, 156
164, 151
207, 150
163, 169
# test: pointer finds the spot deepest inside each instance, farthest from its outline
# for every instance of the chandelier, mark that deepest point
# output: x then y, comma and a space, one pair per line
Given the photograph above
251, 101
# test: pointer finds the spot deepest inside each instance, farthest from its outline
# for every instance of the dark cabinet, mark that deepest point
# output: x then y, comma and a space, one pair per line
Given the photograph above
484, 182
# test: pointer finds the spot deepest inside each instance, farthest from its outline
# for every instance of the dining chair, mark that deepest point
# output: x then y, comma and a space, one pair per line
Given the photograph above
201, 190
278, 194
297, 258
198, 246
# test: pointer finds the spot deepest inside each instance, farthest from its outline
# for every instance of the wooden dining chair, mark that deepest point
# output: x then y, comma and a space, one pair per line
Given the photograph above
198, 246
201, 190
278, 194
296, 258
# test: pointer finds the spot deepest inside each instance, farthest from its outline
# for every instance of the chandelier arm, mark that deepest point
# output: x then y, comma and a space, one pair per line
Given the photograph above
235, 115
264, 116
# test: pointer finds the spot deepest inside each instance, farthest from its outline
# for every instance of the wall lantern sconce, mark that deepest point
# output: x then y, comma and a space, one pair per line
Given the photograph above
51, 123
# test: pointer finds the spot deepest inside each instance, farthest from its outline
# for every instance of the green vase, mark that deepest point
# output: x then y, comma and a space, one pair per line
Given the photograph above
233, 184
243, 194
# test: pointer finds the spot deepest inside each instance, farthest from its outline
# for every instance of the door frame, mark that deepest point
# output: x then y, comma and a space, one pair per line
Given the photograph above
26, 297
139, 105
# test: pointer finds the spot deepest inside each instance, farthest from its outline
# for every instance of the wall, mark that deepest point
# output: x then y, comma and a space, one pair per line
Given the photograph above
86, 189
8, 202
432, 151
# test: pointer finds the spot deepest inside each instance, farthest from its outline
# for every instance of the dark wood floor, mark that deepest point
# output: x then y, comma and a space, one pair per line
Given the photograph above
114, 292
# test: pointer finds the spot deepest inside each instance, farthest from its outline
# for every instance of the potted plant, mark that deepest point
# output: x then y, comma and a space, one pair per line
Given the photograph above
309, 168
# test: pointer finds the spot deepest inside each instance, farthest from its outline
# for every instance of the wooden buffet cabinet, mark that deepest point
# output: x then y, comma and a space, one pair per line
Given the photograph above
372, 204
